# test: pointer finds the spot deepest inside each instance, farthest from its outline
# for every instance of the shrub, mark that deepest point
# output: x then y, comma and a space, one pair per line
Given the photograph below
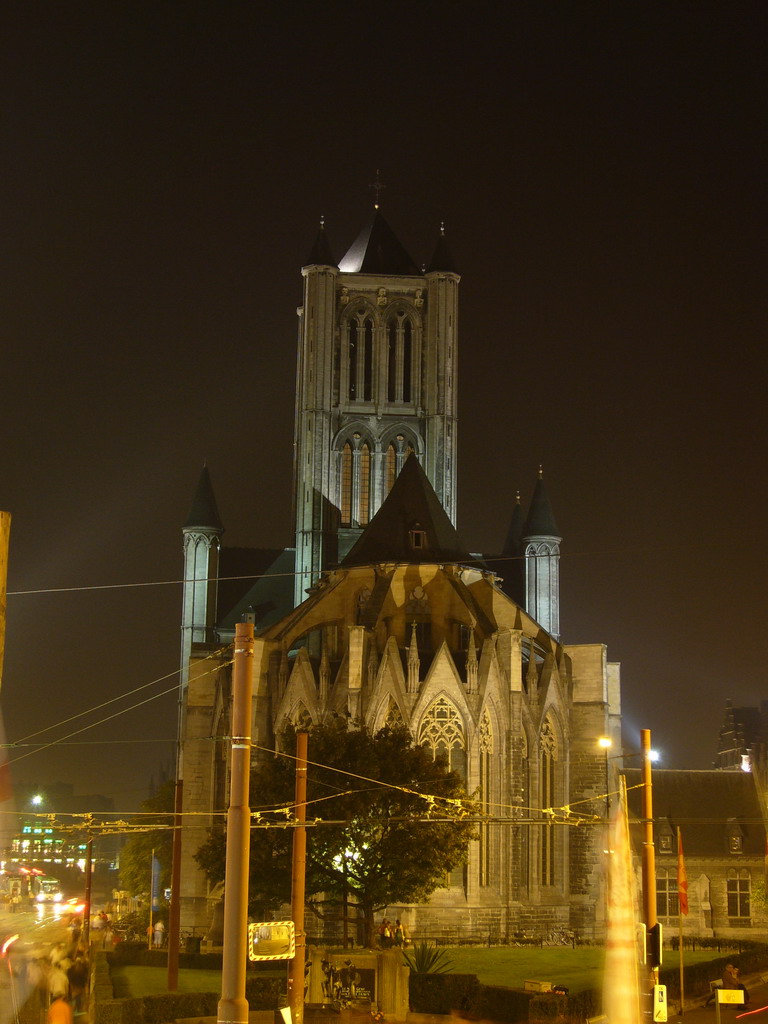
441, 993
505, 1005
427, 959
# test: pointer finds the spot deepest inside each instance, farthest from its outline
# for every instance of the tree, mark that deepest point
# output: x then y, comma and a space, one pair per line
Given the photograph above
136, 855
386, 822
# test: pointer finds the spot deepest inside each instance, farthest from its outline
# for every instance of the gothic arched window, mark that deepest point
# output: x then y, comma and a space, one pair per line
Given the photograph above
365, 486
345, 503
547, 780
394, 716
398, 451
442, 732
486, 757
360, 357
399, 334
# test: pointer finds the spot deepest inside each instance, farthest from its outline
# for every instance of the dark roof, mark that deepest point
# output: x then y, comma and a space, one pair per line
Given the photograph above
442, 258
515, 531
321, 250
707, 806
541, 519
257, 578
377, 250
411, 505
204, 514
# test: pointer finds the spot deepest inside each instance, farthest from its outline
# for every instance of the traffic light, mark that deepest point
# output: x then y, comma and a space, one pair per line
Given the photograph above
654, 945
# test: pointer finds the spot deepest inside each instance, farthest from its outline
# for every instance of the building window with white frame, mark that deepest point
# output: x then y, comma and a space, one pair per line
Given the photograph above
738, 889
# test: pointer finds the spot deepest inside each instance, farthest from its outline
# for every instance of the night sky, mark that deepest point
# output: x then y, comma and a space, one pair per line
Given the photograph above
601, 171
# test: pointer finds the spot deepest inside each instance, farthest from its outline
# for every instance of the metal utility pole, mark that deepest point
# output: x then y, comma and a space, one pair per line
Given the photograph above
298, 880
88, 887
5, 536
233, 1006
649, 857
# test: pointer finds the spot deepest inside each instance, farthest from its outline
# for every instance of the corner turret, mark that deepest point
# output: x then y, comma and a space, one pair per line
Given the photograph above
540, 541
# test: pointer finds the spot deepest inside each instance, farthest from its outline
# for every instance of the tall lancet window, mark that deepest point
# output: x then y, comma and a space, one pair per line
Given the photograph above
442, 732
345, 505
547, 798
396, 454
399, 334
365, 485
391, 466
360, 357
486, 808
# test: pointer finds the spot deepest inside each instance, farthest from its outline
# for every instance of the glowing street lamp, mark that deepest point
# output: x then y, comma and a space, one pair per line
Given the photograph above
605, 743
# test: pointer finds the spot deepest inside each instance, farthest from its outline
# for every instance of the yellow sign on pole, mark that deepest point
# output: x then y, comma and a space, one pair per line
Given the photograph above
730, 995
660, 1003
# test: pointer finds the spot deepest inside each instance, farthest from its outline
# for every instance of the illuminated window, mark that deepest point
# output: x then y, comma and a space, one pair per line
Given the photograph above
365, 485
486, 752
442, 732
547, 762
738, 887
665, 843
346, 485
391, 466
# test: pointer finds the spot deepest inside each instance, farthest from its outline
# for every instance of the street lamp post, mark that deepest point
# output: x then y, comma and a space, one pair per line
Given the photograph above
605, 743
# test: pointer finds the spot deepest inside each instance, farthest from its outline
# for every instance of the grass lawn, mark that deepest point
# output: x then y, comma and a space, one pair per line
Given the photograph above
579, 969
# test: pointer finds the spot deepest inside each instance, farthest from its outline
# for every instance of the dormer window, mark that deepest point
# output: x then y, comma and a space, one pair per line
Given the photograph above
418, 538
735, 844
665, 843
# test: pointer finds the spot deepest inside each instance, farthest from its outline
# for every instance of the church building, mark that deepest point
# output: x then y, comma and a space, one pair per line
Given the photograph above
381, 615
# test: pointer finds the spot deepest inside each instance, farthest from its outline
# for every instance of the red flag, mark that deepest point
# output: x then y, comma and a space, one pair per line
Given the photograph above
682, 877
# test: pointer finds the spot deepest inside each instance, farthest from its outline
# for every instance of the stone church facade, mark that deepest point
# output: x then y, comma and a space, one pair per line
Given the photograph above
394, 621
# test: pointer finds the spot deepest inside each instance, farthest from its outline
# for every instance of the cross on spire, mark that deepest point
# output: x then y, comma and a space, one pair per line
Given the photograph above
378, 186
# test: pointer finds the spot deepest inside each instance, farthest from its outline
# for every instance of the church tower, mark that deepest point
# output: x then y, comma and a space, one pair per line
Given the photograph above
540, 541
376, 380
202, 538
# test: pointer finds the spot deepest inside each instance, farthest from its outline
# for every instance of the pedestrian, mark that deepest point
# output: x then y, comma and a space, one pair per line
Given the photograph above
59, 1012
731, 980
399, 933
159, 933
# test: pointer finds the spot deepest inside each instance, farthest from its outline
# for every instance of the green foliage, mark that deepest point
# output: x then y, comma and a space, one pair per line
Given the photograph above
136, 855
384, 844
427, 959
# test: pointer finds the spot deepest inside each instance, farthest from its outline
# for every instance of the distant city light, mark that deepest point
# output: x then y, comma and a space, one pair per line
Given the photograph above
37, 799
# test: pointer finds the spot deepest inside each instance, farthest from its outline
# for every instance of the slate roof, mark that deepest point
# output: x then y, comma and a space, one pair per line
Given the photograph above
204, 513
255, 578
377, 250
707, 806
541, 519
442, 258
411, 504
321, 250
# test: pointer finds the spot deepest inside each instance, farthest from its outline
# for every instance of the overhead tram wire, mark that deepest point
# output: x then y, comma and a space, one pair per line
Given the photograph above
479, 562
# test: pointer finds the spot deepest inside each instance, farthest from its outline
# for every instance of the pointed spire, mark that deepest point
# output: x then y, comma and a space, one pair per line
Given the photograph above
471, 664
541, 519
377, 250
204, 513
515, 531
321, 254
442, 258
413, 662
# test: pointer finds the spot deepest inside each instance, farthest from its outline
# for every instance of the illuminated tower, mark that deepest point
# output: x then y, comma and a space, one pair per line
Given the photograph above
376, 379
540, 540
